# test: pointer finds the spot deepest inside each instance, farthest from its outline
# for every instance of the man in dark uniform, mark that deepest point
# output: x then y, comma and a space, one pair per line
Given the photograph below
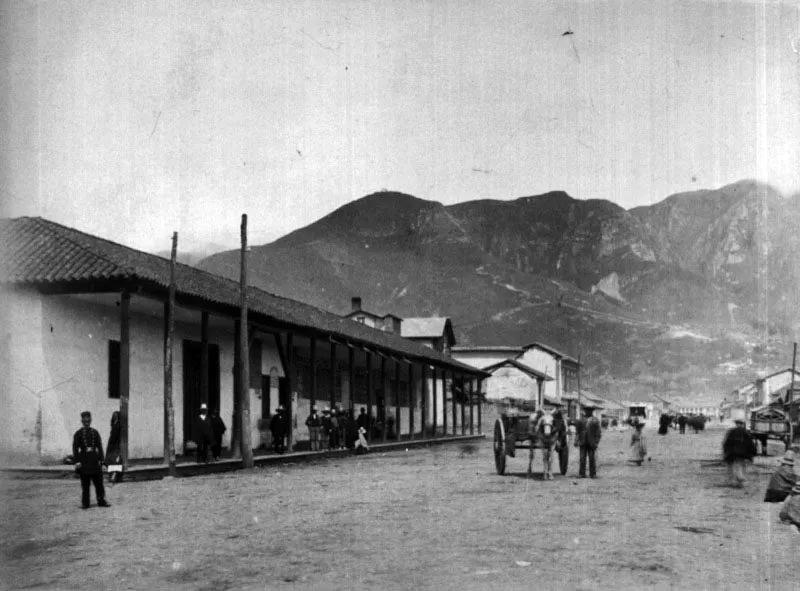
588, 439
87, 449
278, 427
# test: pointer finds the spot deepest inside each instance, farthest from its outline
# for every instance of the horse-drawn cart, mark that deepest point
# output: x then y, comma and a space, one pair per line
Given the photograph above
516, 431
771, 422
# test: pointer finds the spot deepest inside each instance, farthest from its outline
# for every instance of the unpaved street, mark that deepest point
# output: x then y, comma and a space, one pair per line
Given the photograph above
436, 518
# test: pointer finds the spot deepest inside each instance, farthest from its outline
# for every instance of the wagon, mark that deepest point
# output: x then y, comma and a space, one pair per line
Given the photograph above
511, 432
770, 422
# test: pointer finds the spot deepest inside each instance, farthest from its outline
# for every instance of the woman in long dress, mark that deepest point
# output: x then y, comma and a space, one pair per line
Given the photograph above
638, 444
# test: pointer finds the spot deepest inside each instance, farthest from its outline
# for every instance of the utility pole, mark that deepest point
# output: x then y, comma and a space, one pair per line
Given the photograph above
169, 409
244, 359
794, 363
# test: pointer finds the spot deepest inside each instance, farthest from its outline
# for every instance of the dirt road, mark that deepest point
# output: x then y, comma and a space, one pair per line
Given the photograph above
436, 518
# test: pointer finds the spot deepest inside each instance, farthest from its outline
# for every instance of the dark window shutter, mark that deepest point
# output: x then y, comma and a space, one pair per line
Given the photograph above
113, 368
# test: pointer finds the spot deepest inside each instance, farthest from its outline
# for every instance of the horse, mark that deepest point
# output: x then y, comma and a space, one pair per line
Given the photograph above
545, 435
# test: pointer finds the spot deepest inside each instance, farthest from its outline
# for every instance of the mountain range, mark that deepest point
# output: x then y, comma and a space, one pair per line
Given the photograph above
690, 296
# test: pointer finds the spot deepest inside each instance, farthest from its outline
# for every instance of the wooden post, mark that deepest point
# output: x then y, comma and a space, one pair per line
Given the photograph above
351, 378
383, 395
369, 396
236, 422
169, 409
204, 357
480, 404
579, 412
124, 373
790, 398
411, 401
444, 402
288, 370
332, 378
244, 357
453, 398
424, 402
463, 410
313, 346
397, 399
471, 404
435, 405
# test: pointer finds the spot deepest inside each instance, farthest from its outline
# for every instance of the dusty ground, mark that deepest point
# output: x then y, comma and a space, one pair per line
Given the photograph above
437, 518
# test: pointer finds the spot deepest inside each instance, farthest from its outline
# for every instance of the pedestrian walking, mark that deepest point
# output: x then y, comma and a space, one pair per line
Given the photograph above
682, 424
314, 424
782, 480
361, 445
218, 429
203, 434
638, 444
87, 450
738, 449
663, 424
588, 440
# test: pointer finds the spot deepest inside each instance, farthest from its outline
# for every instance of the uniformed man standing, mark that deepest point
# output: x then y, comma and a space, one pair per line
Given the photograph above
589, 434
87, 449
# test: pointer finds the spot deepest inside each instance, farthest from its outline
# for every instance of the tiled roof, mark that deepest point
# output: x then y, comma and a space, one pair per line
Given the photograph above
432, 327
38, 252
522, 367
550, 349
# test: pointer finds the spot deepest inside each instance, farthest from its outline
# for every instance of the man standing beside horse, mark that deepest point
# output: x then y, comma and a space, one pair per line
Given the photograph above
589, 434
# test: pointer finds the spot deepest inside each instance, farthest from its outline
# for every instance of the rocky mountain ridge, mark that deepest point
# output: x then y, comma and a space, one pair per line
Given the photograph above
587, 276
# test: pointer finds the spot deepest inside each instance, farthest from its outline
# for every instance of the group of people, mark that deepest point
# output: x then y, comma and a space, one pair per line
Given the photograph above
337, 429
208, 431
738, 449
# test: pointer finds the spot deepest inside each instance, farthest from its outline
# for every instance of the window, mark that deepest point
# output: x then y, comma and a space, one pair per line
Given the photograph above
113, 368
360, 319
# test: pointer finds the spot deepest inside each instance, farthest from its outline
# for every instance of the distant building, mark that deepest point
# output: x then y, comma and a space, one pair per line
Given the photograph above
435, 332
387, 322
762, 391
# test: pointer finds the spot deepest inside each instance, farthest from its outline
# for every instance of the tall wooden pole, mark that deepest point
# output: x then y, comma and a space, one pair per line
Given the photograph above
169, 408
124, 374
383, 397
444, 402
579, 412
313, 346
332, 378
463, 410
244, 358
351, 377
204, 357
453, 398
471, 404
480, 404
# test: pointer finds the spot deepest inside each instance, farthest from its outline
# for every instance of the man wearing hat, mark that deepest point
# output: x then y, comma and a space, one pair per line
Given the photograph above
588, 439
278, 426
203, 434
737, 449
790, 512
783, 480
314, 424
87, 449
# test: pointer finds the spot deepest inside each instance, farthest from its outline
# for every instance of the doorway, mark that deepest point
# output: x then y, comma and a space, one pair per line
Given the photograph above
192, 370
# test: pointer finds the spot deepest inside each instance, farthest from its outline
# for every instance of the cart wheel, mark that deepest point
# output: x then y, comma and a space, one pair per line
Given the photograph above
499, 447
563, 459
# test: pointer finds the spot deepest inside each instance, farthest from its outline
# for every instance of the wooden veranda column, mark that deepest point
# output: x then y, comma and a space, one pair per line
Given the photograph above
397, 399
453, 398
288, 372
204, 357
463, 389
480, 404
424, 402
236, 424
435, 405
351, 377
369, 396
332, 377
444, 402
313, 361
383, 398
124, 373
471, 404
411, 401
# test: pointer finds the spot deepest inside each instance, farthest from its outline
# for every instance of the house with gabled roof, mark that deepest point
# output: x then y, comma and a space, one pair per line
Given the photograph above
435, 332
518, 385
83, 327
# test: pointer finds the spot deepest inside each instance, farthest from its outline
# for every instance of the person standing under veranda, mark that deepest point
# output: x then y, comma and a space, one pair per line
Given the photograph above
218, 429
314, 424
87, 449
738, 449
203, 434
278, 427
589, 434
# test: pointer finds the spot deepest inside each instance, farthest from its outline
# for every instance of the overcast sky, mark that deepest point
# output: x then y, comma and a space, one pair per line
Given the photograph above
134, 119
